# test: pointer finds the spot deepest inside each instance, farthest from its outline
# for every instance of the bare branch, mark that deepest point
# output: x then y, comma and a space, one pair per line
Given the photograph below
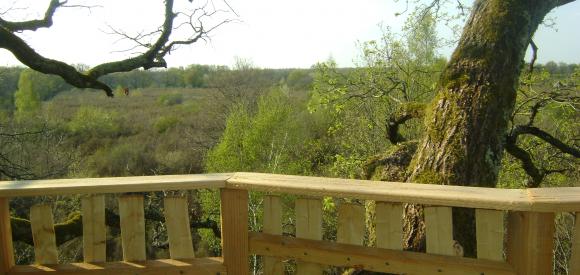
33, 25
11, 8
152, 56
147, 60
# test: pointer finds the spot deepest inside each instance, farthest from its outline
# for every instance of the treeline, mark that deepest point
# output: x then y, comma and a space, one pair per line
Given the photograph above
556, 69
193, 76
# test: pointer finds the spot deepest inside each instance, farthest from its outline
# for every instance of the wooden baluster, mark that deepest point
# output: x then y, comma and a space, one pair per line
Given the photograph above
273, 225
351, 224
234, 221
575, 259
489, 234
439, 230
308, 226
94, 229
530, 242
132, 216
42, 225
6, 248
178, 228
389, 225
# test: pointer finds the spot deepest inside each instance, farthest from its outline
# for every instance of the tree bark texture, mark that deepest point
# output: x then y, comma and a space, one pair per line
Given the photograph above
467, 121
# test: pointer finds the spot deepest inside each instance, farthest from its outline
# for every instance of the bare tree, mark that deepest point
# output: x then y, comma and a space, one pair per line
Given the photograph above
153, 46
33, 153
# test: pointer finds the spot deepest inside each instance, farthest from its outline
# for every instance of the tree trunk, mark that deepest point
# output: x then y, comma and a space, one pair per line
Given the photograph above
467, 121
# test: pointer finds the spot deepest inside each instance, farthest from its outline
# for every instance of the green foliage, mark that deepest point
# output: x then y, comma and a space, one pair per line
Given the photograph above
170, 99
94, 122
34, 87
266, 141
277, 138
229, 154
26, 99
8, 85
392, 73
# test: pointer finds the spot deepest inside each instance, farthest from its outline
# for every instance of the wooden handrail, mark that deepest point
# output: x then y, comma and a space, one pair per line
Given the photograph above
562, 199
27, 188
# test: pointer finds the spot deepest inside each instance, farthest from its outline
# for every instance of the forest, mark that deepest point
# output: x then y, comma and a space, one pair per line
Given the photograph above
362, 122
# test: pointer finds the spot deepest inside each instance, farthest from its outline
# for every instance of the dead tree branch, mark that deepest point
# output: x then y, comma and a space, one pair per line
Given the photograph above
152, 57
33, 25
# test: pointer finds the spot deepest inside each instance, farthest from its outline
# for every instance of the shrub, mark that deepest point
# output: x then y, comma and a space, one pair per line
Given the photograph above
94, 122
124, 159
170, 99
164, 123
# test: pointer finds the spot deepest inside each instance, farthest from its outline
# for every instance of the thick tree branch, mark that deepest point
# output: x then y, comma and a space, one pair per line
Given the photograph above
33, 25
405, 112
564, 2
153, 57
565, 148
536, 175
37, 62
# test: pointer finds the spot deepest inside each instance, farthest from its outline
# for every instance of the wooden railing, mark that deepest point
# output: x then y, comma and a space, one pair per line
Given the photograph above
528, 235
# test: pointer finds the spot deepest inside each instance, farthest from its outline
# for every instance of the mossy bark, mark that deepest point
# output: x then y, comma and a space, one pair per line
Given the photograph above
467, 121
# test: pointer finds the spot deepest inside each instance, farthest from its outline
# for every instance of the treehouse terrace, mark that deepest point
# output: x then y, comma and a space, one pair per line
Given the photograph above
528, 235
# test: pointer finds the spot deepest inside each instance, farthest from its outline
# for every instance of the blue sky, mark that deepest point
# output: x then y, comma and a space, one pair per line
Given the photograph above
272, 33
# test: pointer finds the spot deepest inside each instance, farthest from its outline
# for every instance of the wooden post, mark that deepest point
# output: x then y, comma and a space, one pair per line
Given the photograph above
42, 225
308, 226
94, 229
6, 248
439, 230
389, 225
234, 221
489, 231
273, 225
530, 242
178, 228
351, 224
132, 216
575, 259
